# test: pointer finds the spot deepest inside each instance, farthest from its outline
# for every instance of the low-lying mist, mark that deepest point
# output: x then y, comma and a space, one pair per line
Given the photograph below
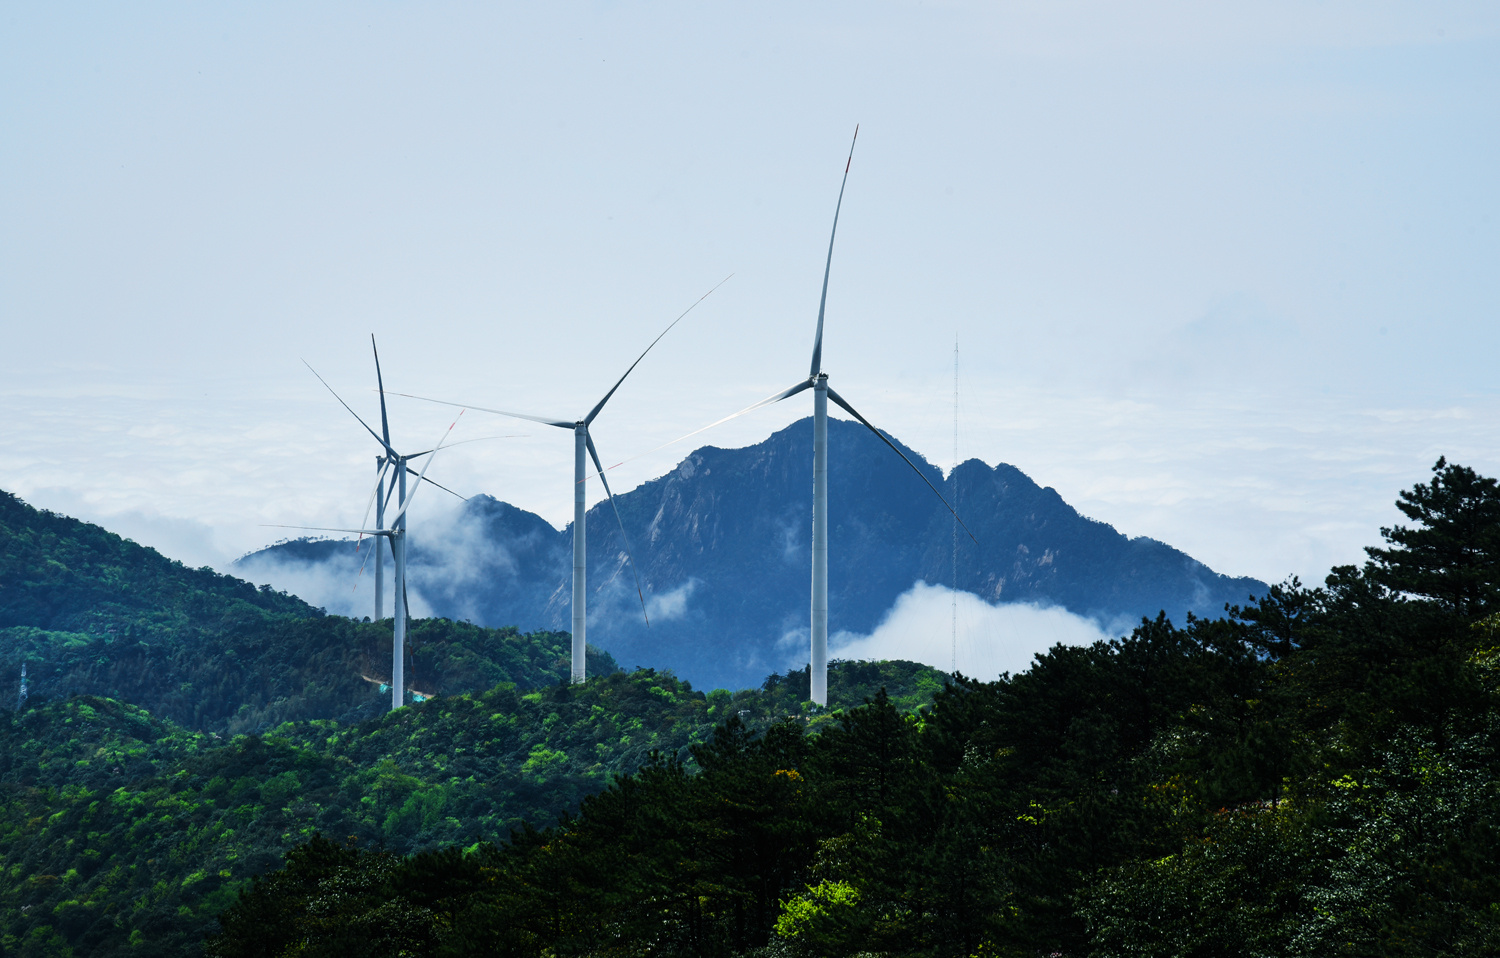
927, 625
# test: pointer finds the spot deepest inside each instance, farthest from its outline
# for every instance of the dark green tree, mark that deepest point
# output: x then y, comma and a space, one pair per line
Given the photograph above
270, 915
1452, 553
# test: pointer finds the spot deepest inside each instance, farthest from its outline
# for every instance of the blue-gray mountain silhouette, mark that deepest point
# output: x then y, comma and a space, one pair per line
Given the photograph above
723, 542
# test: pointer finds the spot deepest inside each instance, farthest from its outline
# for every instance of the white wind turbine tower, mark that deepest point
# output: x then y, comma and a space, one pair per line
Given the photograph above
583, 444
817, 381
389, 461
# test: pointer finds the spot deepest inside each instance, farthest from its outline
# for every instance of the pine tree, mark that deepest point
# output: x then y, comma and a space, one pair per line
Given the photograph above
1453, 554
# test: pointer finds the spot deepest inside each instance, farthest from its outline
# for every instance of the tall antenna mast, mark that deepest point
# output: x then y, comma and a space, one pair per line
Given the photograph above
954, 595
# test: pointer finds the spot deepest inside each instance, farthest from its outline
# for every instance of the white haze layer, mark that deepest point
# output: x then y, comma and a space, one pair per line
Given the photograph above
990, 639
331, 588
456, 556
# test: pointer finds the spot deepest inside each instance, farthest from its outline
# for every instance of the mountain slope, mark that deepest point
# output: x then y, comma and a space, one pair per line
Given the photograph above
92, 613
119, 829
62, 574
723, 541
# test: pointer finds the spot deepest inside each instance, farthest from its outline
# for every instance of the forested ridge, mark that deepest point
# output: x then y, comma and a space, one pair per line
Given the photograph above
92, 613
131, 811
1313, 774
120, 830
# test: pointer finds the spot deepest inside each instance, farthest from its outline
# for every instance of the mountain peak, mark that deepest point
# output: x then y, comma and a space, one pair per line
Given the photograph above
722, 544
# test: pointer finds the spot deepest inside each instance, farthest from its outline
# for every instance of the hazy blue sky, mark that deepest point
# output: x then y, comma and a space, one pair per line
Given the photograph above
1222, 274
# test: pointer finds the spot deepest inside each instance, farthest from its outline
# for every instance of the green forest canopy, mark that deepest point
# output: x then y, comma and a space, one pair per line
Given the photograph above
1311, 775
125, 825
119, 828
92, 613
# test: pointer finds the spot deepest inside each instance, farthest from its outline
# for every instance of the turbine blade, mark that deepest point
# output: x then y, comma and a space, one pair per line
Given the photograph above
594, 454
886, 439
817, 357
600, 405
769, 400
374, 492
488, 438
719, 422
351, 411
390, 493
565, 424
385, 423
784, 394
428, 452
363, 532
362, 562
412, 493
446, 489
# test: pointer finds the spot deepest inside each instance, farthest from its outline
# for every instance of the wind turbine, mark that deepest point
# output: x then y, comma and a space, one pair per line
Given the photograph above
396, 533
583, 444
817, 381
388, 461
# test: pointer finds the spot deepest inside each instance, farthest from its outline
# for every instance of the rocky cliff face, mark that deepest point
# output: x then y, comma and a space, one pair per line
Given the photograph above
723, 545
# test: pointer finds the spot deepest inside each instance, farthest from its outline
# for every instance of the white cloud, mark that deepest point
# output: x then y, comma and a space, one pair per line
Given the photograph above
338, 589
991, 639
328, 587
673, 604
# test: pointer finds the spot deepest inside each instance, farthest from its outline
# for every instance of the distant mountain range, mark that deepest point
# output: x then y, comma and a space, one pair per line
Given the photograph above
722, 543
